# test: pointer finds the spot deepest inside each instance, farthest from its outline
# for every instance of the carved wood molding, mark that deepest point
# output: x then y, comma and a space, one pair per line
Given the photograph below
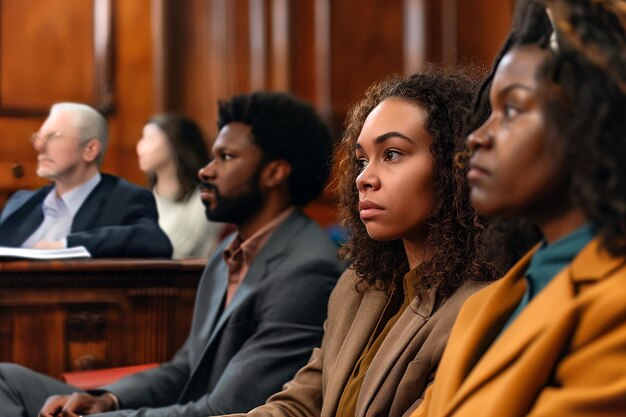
86, 325
24, 280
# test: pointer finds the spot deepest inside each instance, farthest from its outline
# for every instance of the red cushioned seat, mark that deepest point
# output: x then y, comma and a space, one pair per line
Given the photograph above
93, 379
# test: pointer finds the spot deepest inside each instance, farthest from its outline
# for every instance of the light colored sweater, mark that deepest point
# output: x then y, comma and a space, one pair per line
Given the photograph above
187, 227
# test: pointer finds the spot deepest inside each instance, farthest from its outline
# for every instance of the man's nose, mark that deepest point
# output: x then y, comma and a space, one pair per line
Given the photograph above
39, 144
207, 173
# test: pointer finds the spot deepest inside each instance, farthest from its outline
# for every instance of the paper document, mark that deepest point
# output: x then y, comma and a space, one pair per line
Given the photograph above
24, 253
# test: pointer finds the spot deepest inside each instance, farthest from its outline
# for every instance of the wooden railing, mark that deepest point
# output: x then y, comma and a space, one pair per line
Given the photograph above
58, 316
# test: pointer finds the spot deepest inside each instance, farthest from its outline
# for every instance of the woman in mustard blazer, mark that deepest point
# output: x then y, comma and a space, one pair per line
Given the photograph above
549, 339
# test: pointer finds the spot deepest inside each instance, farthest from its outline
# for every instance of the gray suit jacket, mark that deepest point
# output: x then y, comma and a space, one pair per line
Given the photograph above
233, 360
401, 370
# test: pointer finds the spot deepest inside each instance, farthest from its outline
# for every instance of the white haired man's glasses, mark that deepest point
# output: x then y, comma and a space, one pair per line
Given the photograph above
39, 139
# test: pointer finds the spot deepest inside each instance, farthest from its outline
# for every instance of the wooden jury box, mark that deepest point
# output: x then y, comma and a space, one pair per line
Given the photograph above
59, 316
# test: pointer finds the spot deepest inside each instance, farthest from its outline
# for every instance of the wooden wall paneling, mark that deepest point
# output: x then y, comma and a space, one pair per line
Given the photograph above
238, 69
323, 58
482, 28
145, 56
103, 55
34, 71
134, 86
280, 45
258, 18
433, 31
219, 52
455, 31
37, 68
415, 38
309, 62
430, 33
449, 35
194, 65
167, 37
161, 50
366, 45
303, 41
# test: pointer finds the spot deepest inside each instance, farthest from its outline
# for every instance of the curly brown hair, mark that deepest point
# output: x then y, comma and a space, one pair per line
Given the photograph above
455, 229
583, 81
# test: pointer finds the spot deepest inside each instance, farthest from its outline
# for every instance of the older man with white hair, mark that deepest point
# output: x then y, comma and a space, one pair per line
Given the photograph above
82, 207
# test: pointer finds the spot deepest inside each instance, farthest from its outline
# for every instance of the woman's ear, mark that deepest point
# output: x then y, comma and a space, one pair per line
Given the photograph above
91, 150
275, 173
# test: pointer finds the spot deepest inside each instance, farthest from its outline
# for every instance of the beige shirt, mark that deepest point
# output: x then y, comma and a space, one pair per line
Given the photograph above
187, 227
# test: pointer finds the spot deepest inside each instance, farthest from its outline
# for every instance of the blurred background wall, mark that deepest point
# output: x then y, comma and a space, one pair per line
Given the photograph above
133, 58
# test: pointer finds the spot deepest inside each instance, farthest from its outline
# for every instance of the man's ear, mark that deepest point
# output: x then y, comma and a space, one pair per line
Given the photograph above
91, 150
275, 172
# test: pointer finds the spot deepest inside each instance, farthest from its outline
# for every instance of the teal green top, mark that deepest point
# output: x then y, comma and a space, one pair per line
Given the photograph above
548, 261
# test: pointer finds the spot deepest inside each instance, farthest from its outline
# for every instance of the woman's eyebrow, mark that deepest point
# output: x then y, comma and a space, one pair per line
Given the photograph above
386, 136
382, 138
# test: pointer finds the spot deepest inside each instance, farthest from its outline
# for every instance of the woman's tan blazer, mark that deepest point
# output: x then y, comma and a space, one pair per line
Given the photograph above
564, 355
401, 370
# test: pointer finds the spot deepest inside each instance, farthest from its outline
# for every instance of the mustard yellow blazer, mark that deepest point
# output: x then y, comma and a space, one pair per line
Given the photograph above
564, 355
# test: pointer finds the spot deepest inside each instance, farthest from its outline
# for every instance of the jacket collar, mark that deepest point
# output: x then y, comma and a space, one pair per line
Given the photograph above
593, 263
392, 349
277, 244
363, 326
352, 347
590, 265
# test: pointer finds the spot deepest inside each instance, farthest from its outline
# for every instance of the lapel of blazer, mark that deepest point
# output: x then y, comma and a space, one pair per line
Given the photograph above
392, 348
477, 332
20, 224
353, 344
88, 212
593, 264
214, 293
589, 265
274, 247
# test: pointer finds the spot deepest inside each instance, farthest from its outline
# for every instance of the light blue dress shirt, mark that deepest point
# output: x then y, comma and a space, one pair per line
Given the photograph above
59, 212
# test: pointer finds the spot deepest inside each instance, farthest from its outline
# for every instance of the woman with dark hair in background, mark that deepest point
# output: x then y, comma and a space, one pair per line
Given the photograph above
414, 250
549, 339
171, 151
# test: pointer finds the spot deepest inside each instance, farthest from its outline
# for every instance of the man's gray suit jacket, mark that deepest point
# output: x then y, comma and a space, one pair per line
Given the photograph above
234, 359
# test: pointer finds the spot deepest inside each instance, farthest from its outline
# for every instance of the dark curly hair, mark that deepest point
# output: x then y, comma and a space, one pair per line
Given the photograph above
454, 238
583, 83
285, 127
189, 149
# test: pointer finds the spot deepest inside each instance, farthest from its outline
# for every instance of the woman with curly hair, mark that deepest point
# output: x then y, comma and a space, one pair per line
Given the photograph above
414, 245
549, 339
